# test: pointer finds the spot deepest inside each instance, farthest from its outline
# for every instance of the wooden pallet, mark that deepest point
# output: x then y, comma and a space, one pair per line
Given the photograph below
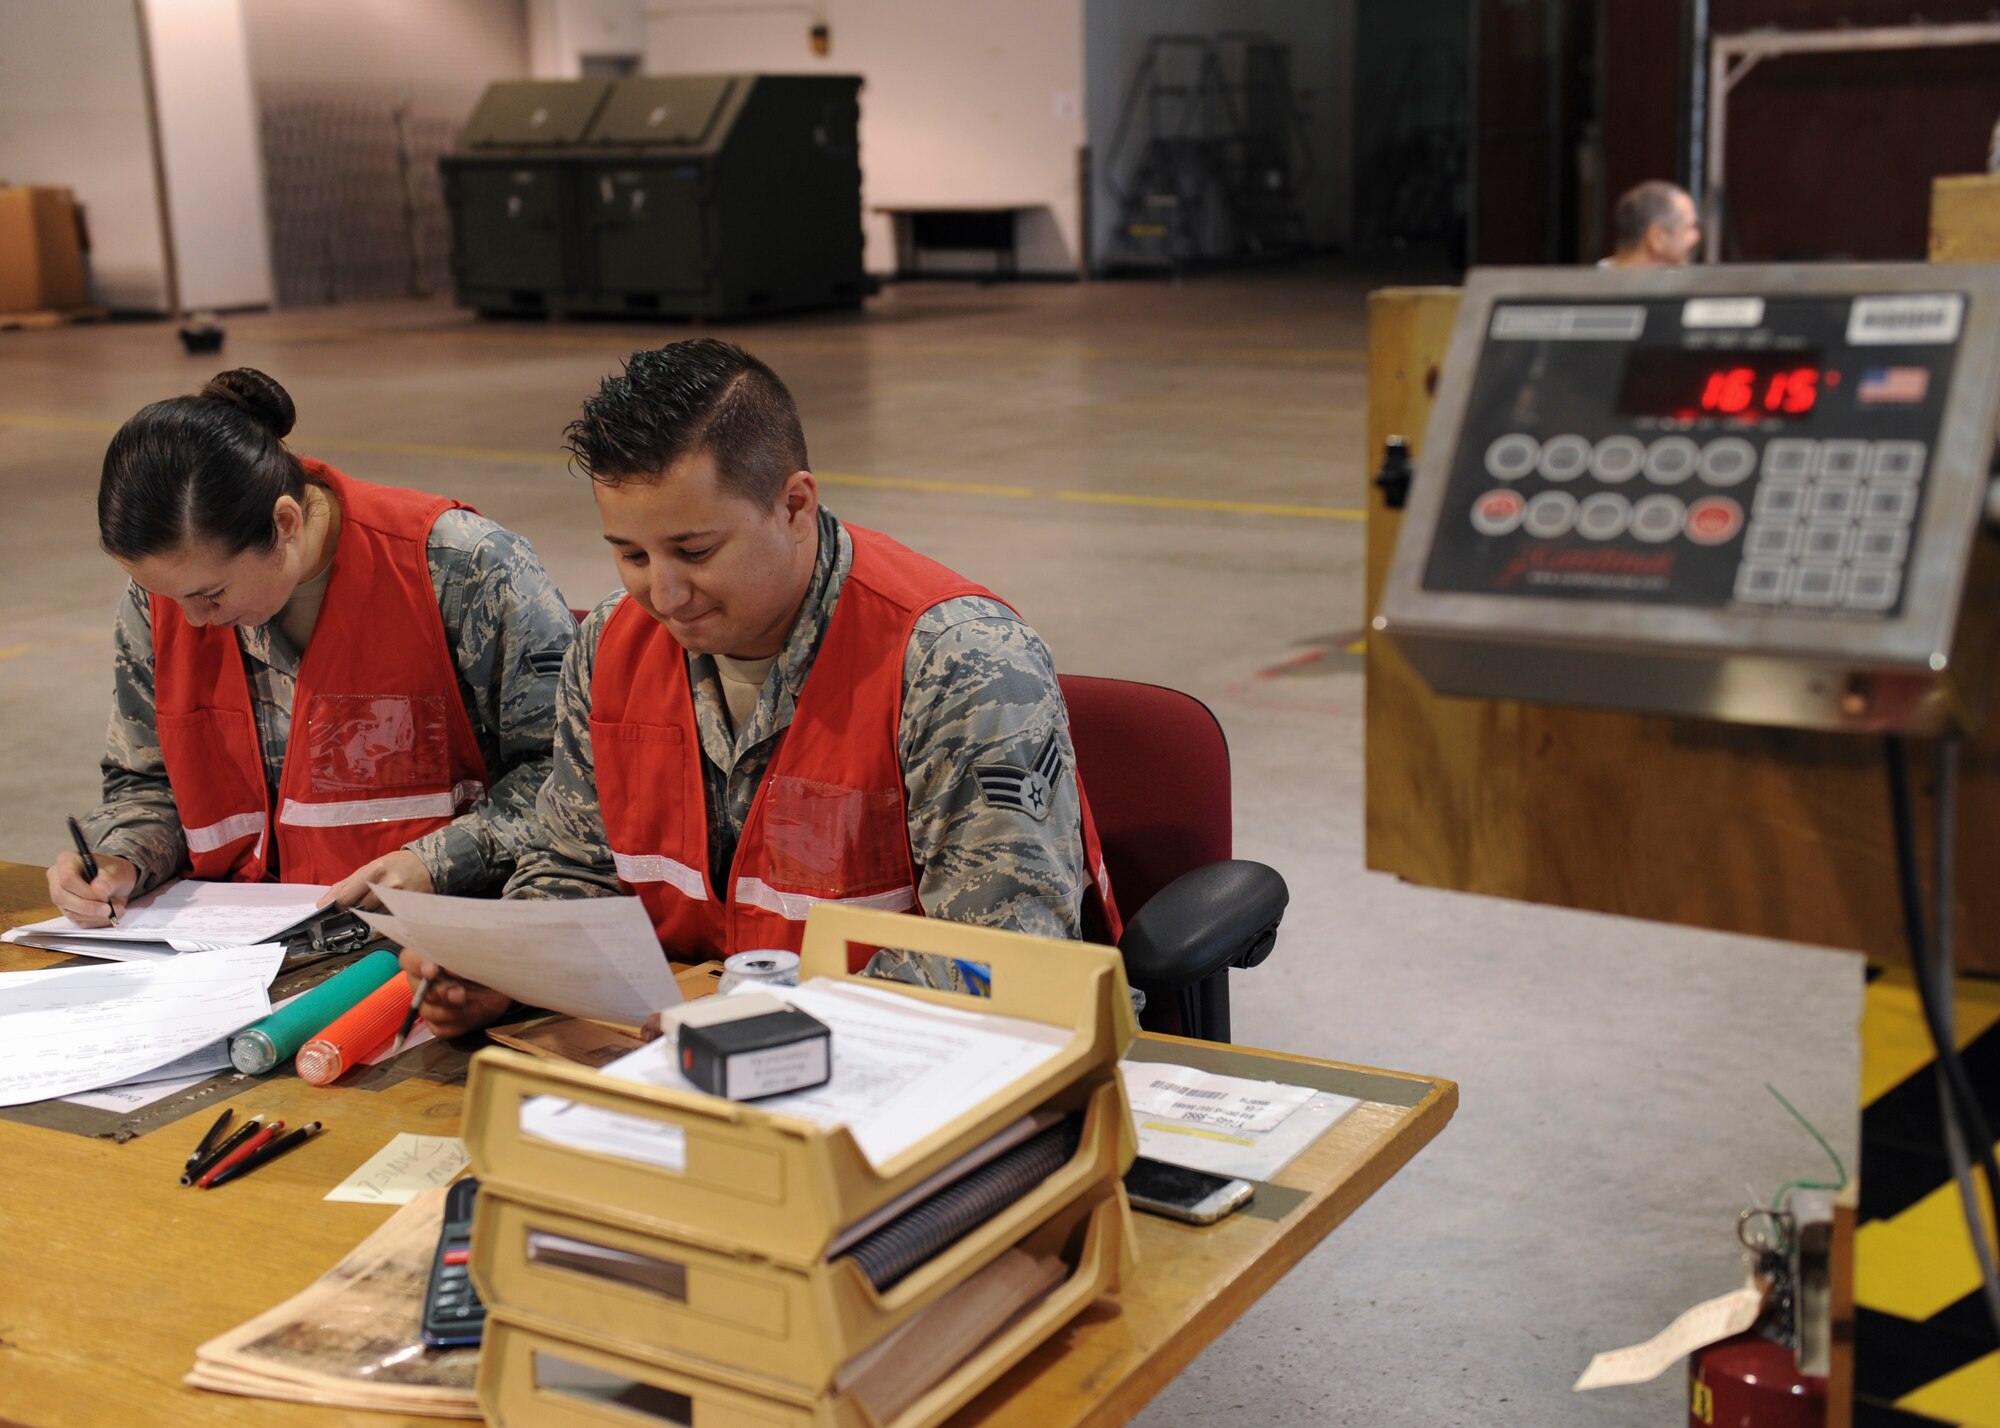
50, 317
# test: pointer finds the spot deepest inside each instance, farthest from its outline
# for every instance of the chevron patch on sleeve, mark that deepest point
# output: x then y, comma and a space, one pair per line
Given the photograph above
1029, 790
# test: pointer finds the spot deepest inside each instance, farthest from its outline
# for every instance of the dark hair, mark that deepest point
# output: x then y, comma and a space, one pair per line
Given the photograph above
1639, 208
701, 395
206, 468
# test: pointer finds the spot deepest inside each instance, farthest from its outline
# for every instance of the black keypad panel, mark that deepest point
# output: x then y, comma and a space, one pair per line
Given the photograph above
1558, 491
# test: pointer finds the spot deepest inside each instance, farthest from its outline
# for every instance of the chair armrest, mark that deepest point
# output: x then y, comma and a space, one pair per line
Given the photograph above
1218, 916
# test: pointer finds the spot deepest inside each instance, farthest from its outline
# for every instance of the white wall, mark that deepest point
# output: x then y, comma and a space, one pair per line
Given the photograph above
464, 44
562, 32
208, 147
1321, 36
73, 112
964, 101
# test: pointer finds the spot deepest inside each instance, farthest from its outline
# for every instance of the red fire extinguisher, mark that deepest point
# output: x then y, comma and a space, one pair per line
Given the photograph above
1750, 1381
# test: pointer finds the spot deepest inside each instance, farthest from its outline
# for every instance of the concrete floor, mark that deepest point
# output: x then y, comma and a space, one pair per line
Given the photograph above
1613, 1116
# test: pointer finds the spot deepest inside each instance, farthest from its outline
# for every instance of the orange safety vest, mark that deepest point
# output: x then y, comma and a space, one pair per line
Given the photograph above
829, 823
380, 750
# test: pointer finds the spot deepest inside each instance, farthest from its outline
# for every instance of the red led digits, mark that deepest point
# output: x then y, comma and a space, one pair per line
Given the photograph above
1731, 391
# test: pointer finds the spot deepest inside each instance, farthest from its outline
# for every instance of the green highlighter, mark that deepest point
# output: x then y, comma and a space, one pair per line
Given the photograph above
277, 1038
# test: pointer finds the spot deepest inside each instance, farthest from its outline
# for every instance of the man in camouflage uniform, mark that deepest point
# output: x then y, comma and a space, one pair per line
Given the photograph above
507, 628
992, 807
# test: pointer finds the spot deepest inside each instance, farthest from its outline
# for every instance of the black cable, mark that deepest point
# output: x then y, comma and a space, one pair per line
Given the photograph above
1932, 975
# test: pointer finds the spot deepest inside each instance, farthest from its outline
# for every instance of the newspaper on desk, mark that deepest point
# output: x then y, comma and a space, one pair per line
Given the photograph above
1225, 1125
352, 1339
902, 1070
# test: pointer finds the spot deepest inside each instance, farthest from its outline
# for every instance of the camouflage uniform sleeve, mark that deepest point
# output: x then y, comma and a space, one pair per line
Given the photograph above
138, 818
509, 630
569, 854
989, 774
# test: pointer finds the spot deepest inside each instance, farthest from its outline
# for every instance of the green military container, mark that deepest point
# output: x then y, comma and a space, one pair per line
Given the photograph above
510, 192
721, 196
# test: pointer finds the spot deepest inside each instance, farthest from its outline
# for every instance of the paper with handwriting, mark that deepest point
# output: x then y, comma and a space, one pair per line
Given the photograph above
403, 1169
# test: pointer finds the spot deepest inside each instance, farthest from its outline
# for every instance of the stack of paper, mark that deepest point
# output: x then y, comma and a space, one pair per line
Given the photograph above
1225, 1125
184, 916
902, 1069
352, 1339
72, 1029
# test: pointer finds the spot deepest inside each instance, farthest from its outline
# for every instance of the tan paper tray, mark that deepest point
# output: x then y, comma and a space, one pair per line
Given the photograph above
760, 1183
767, 1319
510, 1397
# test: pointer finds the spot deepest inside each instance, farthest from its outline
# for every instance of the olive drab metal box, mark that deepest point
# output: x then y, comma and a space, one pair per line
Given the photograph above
508, 190
679, 196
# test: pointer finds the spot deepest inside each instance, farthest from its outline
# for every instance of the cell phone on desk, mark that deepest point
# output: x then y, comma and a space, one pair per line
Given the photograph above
1182, 1194
453, 1315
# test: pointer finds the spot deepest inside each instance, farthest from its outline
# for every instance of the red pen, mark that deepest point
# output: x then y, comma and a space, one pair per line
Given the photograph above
242, 1153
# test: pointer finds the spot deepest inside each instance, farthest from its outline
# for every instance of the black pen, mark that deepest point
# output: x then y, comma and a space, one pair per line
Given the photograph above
208, 1141
410, 1017
89, 865
243, 1133
289, 1141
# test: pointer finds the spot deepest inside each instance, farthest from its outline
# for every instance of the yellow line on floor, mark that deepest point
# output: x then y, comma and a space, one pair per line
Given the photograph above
1969, 1396
11, 650
1245, 508
1919, 1261
894, 483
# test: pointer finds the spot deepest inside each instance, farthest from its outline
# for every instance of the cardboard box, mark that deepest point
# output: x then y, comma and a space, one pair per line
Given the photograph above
41, 250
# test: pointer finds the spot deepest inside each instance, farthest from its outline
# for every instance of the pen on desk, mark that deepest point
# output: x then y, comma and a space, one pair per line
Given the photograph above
410, 1019
208, 1141
237, 1137
89, 864
242, 1153
291, 1140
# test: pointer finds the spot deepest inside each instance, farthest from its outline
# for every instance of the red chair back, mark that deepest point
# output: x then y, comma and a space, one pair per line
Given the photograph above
1156, 766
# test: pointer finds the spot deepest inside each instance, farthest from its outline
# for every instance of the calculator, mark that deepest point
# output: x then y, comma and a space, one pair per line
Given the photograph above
453, 1315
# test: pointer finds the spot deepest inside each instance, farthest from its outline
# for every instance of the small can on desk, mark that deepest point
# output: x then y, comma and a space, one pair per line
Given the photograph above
771, 968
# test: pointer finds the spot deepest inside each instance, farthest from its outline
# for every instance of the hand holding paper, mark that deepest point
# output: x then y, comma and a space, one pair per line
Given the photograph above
589, 957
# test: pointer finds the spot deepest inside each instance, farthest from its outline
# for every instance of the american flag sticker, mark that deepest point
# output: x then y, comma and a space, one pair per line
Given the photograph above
1894, 384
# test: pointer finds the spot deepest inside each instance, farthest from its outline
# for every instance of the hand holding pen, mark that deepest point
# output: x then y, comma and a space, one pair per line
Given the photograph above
91, 890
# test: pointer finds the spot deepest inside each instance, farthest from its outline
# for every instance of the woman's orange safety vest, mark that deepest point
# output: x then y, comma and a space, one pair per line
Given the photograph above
829, 823
380, 750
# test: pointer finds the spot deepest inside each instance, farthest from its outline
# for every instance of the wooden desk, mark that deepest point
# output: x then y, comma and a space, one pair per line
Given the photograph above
111, 1273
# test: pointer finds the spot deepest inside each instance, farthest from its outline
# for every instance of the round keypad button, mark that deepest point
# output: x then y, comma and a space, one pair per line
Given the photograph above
1618, 458
1565, 458
1671, 460
1603, 516
1714, 520
1498, 513
1658, 518
1550, 514
1512, 457
1727, 461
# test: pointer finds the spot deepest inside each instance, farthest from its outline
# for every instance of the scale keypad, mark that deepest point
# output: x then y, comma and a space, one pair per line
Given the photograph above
1827, 524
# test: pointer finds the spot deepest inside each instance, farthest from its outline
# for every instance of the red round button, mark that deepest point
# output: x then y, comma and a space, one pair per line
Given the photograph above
1498, 513
1714, 520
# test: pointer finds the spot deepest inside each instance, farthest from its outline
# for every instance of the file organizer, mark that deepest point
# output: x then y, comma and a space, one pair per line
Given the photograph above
739, 1298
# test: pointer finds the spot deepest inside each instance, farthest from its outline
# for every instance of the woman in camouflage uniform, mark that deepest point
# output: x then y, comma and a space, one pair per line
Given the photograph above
318, 679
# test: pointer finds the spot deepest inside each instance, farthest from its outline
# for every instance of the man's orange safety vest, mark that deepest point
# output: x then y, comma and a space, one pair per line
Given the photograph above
380, 750
829, 823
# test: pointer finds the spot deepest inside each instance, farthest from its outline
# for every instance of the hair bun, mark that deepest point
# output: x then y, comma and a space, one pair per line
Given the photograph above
257, 394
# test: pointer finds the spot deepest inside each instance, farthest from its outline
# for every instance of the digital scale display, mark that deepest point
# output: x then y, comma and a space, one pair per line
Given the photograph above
1682, 385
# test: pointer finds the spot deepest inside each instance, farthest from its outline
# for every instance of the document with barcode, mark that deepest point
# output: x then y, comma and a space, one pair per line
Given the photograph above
1226, 1125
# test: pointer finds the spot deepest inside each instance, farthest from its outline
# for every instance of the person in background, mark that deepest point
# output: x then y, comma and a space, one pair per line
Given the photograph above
1654, 225
316, 679
781, 709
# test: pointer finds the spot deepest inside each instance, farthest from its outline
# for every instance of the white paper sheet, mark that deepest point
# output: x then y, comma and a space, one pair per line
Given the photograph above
403, 1169
594, 957
136, 1095
902, 1069
1253, 1129
72, 1029
188, 915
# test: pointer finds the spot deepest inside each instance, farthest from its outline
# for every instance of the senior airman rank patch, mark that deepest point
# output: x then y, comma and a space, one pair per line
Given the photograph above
1029, 790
